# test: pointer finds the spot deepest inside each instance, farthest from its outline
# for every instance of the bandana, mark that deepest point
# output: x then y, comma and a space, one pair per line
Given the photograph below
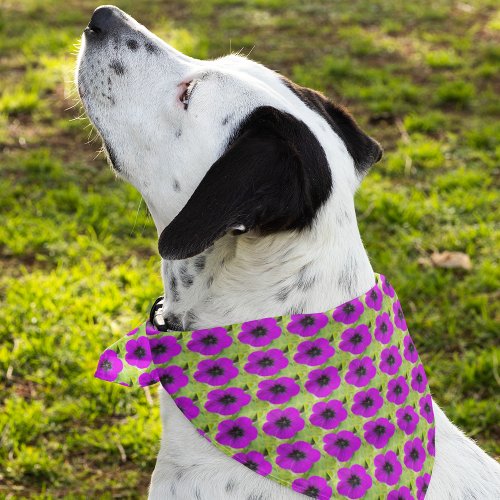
330, 403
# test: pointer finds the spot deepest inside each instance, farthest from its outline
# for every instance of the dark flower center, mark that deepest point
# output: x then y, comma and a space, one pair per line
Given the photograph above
312, 492
379, 430
260, 331
356, 339
166, 379
419, 378
342, 443
373, 295
383, 327
390, 360
388, 467
278, 389
265, 362
360, 371
414, 454
313, 352
424, 488
140, 352
328, 413
427, 408
411, 347
106, 365
297, 455
408, 417
307, 321
215, 371
251, 465
236, 432
209, 340
348, 308
227, 399
283, 423
323, 381
159, 349
367, 403
400, 313
398, 390
354, 480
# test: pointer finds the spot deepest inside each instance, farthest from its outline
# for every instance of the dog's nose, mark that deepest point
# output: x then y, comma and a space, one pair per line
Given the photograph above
104, 20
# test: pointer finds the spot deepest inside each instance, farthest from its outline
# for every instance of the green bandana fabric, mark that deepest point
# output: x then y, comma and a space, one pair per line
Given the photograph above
334, 403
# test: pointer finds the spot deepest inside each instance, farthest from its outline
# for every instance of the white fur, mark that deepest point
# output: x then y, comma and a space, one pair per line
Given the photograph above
139, 117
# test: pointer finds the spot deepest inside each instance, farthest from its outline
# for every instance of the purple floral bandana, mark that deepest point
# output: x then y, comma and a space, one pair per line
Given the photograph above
329, 404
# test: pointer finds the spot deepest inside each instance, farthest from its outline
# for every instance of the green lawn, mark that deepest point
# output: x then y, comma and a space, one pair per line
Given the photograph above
78, 252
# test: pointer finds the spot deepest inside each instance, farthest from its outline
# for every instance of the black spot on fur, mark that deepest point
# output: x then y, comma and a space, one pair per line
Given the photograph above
178, 133
186, 277
210, 281
199, 263
230, 486
117, 67
283, 293
132, 44
226, 120
173, 288
364, 150
304, 282
176, 185
274, 153
151, 48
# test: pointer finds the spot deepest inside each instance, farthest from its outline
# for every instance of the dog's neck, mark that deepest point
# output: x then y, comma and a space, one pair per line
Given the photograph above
248, 276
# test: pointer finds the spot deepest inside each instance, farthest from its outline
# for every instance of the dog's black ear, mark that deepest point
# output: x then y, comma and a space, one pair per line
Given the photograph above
273, 176
364, 150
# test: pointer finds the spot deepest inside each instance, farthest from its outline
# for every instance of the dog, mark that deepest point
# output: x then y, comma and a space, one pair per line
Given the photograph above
283, 163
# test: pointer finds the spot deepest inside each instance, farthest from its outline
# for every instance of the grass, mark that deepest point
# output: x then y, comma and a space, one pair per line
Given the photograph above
78, 252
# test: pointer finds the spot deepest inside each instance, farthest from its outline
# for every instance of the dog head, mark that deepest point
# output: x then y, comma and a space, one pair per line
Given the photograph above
215, 147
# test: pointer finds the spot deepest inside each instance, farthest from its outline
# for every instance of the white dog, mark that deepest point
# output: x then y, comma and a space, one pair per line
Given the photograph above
281, 239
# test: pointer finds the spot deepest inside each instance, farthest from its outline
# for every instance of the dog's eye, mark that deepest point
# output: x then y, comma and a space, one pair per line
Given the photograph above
188, 92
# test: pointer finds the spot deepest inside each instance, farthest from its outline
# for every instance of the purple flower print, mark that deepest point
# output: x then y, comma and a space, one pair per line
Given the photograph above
254, 461
283, 424
328, 415
307, 325
297, 457
138, 352
403, 493
356, 340
410, 353
266, 363
423, 485
172, 378
227, 401
278, 391
418, 379
209, 342
349, 312
203, 434
390, 360
387, 287
322, 382
109, 366
260, 332
216, 371
238, 433
150, 329
147, 378
426, 410
187, 407
414, 454
397, 390
399, 318
383, 328
407, 419
314, 353
163, 349
341, 445
135, 330
361, 371
378, 432
388, 469
374, 298
354, 481
431, 441
367, 403
313, 487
